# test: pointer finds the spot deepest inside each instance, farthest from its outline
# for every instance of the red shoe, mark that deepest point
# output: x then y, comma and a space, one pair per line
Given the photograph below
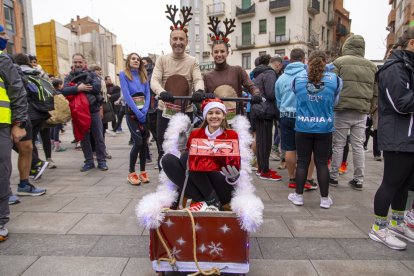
343, 168
258, 172
272, 176
198, 206
292, 183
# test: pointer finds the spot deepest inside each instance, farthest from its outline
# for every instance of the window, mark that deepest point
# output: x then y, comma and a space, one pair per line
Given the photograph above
246, 4
262, 53
280, 29
246, 33
280, 52
327, 39
262, 26
246, 60
323, 34
323, 5
9, 18
309, 29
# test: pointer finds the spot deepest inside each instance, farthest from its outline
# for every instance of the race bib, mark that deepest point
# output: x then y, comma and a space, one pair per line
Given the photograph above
231, 113
170, 110
139, 101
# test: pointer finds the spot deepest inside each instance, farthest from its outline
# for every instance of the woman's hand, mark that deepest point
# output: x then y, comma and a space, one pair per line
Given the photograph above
231, 173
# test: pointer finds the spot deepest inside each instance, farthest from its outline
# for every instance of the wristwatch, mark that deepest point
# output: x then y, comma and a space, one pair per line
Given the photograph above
21, 124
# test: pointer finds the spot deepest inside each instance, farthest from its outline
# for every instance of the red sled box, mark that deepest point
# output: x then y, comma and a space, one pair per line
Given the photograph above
211, 155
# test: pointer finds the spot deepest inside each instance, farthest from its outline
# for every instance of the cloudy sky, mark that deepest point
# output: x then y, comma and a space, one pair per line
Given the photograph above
141, 26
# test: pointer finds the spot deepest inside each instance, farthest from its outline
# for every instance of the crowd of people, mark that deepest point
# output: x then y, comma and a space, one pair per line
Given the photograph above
307, 109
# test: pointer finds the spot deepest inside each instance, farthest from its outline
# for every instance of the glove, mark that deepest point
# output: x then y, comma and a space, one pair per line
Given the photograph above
256, 99
231, 174
197, 96
166, 97
209, 96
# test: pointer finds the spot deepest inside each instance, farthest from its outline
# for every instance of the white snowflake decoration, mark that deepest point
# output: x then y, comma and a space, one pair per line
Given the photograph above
175, 253
169, 223
197, 227
202, 248
215, 248
225, 228
181, 241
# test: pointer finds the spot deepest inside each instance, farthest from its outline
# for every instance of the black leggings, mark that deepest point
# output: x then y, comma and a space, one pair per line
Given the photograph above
263, 143
139, 136
200, 184
47, 144
397, 179
319, 144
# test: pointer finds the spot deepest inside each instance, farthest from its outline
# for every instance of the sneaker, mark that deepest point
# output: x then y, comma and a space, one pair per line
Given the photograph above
356, 184
4, 233
87, 166
133, 179
13, 199
292, 183
78, 146
212, 208
149, 162
60, 149
386, 237
144, 177
333, 182
119, 132
310, 184
199, 206
282, 165
409, 218
326, 202
102, 166
343, 168
402, 231
39, 169
51, 164
307, 186
107, 155
30, 190
270, 175
258, 172
156, 166
378, 158
296, 199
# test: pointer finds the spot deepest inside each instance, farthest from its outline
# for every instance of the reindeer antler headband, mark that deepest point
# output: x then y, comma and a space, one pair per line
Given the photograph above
219, 35
178, 25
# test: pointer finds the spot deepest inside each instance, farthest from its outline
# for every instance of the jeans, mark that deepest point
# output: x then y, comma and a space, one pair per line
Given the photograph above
354, 122
96, 132
5, 173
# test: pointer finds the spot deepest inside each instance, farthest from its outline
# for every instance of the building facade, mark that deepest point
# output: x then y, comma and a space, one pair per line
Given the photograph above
399, 18
16, 16
269, 27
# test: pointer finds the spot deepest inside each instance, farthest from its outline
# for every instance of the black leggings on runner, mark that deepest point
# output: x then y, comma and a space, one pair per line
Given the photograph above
397, 179
263, 143
139, 136
200, 184
319, 144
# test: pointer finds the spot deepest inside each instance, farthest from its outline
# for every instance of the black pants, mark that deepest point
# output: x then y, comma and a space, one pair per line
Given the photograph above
47, 144
397, 179
318, 143
375, 149
200, 184
368, 131
120, 116
263, 143
36, 127
139, 136
162, 124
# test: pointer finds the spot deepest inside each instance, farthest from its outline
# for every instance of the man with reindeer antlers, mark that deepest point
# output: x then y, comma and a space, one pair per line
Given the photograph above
176, 74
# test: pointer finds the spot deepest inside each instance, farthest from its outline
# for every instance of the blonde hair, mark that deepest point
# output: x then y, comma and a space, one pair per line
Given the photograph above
142, 72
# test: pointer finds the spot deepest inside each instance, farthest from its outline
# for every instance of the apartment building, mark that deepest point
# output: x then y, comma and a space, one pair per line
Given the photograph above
269, 27
16, 16
399, 18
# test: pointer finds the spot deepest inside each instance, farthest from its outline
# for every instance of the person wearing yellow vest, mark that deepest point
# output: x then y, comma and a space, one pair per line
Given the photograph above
13, 116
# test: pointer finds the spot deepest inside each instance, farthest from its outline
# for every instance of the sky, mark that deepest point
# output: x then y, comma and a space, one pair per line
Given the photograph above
141, 26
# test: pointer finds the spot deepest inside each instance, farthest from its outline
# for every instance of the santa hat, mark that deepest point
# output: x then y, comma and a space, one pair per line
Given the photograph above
212, 103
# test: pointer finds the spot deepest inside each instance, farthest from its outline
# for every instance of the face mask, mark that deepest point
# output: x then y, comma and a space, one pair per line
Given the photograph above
3, 43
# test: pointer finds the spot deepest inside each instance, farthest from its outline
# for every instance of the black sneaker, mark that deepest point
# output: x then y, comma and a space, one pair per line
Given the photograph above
356, 184
333, 182
38, 170
313, 184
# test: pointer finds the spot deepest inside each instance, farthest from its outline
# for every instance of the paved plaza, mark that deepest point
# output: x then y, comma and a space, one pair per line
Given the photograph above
86, 225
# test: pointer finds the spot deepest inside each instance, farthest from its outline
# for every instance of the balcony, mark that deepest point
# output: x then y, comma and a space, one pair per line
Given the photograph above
331, 20
279, 5
245, 42
391, 17
390, 39
216, 9
314, 7
248, 12
341, 30
275, 40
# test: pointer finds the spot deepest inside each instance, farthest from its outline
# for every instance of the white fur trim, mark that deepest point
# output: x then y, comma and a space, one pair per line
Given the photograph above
211, 105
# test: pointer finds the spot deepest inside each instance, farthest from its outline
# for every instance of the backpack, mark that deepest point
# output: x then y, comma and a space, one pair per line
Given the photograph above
41, 93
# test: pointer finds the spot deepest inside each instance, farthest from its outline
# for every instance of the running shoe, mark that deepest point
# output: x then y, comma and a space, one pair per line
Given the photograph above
386, 237
133, 179
143, 176
296, 199
30, 190
326, 202
409, 218
343, 168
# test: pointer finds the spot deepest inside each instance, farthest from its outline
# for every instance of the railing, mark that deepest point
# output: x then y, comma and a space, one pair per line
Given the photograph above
250, 11
341, 30
245, 42
279, 5
216, 9
279, 39
314, 7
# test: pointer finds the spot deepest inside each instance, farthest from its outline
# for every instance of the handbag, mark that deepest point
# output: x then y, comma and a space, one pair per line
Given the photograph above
108, 112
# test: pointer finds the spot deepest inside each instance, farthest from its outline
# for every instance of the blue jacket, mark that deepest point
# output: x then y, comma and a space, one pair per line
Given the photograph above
133, 87
285, 98
315, 103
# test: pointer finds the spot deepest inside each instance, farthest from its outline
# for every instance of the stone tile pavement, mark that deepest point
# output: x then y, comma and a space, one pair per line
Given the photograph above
85, 225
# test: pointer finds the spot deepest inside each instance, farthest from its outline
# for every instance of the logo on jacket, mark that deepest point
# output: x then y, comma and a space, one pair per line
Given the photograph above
307, 119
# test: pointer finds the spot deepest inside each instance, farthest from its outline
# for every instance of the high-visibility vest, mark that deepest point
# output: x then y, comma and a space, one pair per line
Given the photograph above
5, 111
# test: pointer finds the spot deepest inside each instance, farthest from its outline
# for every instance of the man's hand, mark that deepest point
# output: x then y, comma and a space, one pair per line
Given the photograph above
17, 133
84, 87
256, 99
166, 97
197, 96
